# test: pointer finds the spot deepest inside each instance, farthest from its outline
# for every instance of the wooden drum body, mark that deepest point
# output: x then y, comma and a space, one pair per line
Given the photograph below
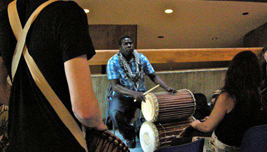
166, 107
154, 136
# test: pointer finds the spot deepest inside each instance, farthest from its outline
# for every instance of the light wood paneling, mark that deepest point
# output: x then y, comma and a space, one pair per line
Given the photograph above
177, 55
261, 1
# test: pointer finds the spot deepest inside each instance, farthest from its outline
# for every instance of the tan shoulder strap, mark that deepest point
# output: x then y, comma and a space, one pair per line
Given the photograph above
38, 77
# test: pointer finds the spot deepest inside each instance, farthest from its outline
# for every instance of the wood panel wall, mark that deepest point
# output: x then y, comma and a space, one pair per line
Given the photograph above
107, 36
167, 56
175, 59
261, 1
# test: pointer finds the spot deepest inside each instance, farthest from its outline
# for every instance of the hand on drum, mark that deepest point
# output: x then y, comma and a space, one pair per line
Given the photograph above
195, 123
171, 90
101, 127
139, 96
206, 118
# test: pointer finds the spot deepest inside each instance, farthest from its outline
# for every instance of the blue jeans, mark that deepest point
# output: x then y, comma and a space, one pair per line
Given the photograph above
121, 111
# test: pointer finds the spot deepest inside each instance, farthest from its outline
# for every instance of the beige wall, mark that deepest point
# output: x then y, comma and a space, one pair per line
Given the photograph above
198, 81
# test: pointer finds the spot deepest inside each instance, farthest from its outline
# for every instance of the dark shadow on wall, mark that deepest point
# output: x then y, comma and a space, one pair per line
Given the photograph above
256, 37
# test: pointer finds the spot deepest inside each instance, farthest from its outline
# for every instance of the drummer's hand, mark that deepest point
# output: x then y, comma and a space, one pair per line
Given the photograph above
195, 123
171, 90
139, 96
206, 118
101, 127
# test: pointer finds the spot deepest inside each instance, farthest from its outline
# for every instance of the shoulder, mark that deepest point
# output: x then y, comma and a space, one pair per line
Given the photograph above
226, 100
67, 5
143, 57
66, 10
113, 59
225, 96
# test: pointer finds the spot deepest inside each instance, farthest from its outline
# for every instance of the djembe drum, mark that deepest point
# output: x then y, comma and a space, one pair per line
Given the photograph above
166, 107
154, 136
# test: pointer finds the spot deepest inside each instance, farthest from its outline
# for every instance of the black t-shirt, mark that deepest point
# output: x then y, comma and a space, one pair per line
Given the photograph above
59, 34
235, 123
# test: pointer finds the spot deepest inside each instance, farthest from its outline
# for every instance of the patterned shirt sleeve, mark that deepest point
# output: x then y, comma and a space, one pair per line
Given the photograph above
112, 71
148, 69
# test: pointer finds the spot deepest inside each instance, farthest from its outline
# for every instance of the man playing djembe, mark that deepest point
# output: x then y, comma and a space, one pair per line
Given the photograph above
125, 71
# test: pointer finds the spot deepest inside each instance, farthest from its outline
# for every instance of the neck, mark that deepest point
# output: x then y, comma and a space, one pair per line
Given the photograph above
26, 8
128, 56
32, 2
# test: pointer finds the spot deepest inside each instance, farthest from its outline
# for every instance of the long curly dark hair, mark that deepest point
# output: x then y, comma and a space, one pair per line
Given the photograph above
261, 57
263, 64
242, 82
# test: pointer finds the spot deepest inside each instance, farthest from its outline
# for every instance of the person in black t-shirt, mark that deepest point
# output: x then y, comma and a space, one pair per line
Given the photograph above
60, 44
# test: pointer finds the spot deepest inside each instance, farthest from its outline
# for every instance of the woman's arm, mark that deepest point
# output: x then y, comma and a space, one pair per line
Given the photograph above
4, 85
224, 104
84, 103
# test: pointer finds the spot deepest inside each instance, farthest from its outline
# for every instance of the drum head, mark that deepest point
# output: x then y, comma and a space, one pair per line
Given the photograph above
149, 137
150, 107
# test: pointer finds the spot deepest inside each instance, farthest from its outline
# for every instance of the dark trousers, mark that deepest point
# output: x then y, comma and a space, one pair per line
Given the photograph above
121, 111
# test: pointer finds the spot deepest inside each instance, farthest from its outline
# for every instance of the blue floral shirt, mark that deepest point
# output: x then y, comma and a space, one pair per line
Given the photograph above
114, 71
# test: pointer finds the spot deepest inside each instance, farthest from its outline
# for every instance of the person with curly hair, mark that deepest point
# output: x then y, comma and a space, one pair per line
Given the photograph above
263, 60
237, 107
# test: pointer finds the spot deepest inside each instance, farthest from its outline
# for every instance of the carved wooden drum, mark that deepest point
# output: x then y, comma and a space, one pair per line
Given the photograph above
154, 136
166, 107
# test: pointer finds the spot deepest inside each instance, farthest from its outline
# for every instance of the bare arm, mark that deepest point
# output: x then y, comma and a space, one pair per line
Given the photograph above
84, 103
115, 84
223, 105
4, 85
157, 80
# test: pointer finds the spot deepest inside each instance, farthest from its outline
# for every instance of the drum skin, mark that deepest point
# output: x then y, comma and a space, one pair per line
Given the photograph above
166, 107
158, 135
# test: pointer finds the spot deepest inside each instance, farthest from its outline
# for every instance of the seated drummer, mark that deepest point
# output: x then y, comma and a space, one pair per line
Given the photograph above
237, 107
126, 70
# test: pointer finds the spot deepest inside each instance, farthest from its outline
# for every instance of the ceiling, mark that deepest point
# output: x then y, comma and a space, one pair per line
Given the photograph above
193, 24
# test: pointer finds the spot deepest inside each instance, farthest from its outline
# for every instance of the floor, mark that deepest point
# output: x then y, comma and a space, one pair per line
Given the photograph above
138, 147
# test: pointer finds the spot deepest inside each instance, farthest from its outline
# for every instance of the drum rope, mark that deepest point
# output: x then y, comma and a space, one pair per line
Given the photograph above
164, 131
98, 140
105, 143
109, 146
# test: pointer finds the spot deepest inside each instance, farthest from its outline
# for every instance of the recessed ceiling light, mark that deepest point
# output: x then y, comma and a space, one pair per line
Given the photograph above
168, 11
86, 10
245, 13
